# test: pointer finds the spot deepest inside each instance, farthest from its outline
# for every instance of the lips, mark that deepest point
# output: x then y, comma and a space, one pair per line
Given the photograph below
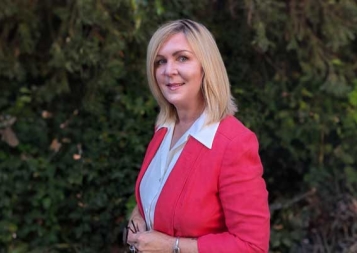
174, 86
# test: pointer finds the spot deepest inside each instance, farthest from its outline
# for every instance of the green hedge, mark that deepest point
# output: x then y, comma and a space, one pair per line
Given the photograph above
76, 115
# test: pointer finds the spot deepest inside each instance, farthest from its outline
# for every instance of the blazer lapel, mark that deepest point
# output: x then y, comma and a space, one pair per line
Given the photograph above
174, 186
151, 151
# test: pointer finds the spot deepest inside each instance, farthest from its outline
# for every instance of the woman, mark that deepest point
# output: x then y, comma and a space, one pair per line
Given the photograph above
200, 188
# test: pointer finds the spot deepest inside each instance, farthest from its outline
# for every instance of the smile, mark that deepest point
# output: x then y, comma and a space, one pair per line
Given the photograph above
174, 86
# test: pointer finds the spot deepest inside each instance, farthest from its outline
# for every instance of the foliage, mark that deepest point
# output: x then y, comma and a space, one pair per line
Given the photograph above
304, 116
76, 115
83, 118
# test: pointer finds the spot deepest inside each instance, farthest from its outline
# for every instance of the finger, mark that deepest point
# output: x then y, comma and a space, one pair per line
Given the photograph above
131, 238
132, 230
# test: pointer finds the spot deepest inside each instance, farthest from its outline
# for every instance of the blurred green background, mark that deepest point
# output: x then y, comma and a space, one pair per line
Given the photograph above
76, 115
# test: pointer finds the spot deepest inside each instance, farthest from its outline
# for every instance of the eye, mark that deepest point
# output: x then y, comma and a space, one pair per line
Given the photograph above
182, 58
160, 62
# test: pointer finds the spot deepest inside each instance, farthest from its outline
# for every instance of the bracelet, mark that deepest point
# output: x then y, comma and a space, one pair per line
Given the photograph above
176, 247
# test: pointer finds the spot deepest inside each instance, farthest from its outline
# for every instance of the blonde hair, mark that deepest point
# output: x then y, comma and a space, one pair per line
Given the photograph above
215, 87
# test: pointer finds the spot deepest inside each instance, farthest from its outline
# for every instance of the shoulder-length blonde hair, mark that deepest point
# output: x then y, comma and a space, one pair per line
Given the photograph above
215, 87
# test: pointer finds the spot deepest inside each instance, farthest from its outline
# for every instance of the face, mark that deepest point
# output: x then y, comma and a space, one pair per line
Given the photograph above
179, 73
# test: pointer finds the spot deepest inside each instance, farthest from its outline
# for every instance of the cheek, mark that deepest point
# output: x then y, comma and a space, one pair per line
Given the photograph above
196, 72
158, 75
196, 76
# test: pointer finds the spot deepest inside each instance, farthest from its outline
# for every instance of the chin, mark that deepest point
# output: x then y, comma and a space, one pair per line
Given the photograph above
175, 101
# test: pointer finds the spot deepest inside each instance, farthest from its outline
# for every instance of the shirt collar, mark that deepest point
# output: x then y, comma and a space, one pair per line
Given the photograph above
201, 132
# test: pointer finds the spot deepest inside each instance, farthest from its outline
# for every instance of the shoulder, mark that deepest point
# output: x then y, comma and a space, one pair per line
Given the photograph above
231, 128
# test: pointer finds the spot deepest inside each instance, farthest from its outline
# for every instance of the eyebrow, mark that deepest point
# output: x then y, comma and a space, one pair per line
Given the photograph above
176, 53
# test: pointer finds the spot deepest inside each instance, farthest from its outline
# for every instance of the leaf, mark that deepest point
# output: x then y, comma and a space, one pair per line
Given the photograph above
7, 121
76, 156
46, 203
46, 114
9, 137
353, 97
55, 145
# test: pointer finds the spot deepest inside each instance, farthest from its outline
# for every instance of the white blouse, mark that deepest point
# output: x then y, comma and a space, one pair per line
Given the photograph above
165, 159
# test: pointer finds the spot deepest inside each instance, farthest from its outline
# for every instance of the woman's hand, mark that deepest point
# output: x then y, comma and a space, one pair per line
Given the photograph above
136, 224
152, 241
147, 241
137, 220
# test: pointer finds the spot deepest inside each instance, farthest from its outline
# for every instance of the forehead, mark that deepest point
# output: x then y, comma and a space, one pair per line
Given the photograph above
176, 42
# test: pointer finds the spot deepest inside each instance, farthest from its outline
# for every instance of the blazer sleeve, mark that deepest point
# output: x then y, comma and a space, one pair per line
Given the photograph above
244, 199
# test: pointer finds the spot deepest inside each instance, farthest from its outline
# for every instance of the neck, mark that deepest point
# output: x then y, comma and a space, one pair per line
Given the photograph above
184, 121
187, 117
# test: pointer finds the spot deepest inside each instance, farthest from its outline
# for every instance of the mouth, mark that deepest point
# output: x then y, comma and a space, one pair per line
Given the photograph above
174, 86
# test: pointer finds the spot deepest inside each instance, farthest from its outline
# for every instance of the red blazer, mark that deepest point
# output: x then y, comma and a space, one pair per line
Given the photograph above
216, 195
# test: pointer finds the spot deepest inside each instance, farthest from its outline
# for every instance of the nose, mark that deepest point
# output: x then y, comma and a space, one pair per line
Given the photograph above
170, 68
